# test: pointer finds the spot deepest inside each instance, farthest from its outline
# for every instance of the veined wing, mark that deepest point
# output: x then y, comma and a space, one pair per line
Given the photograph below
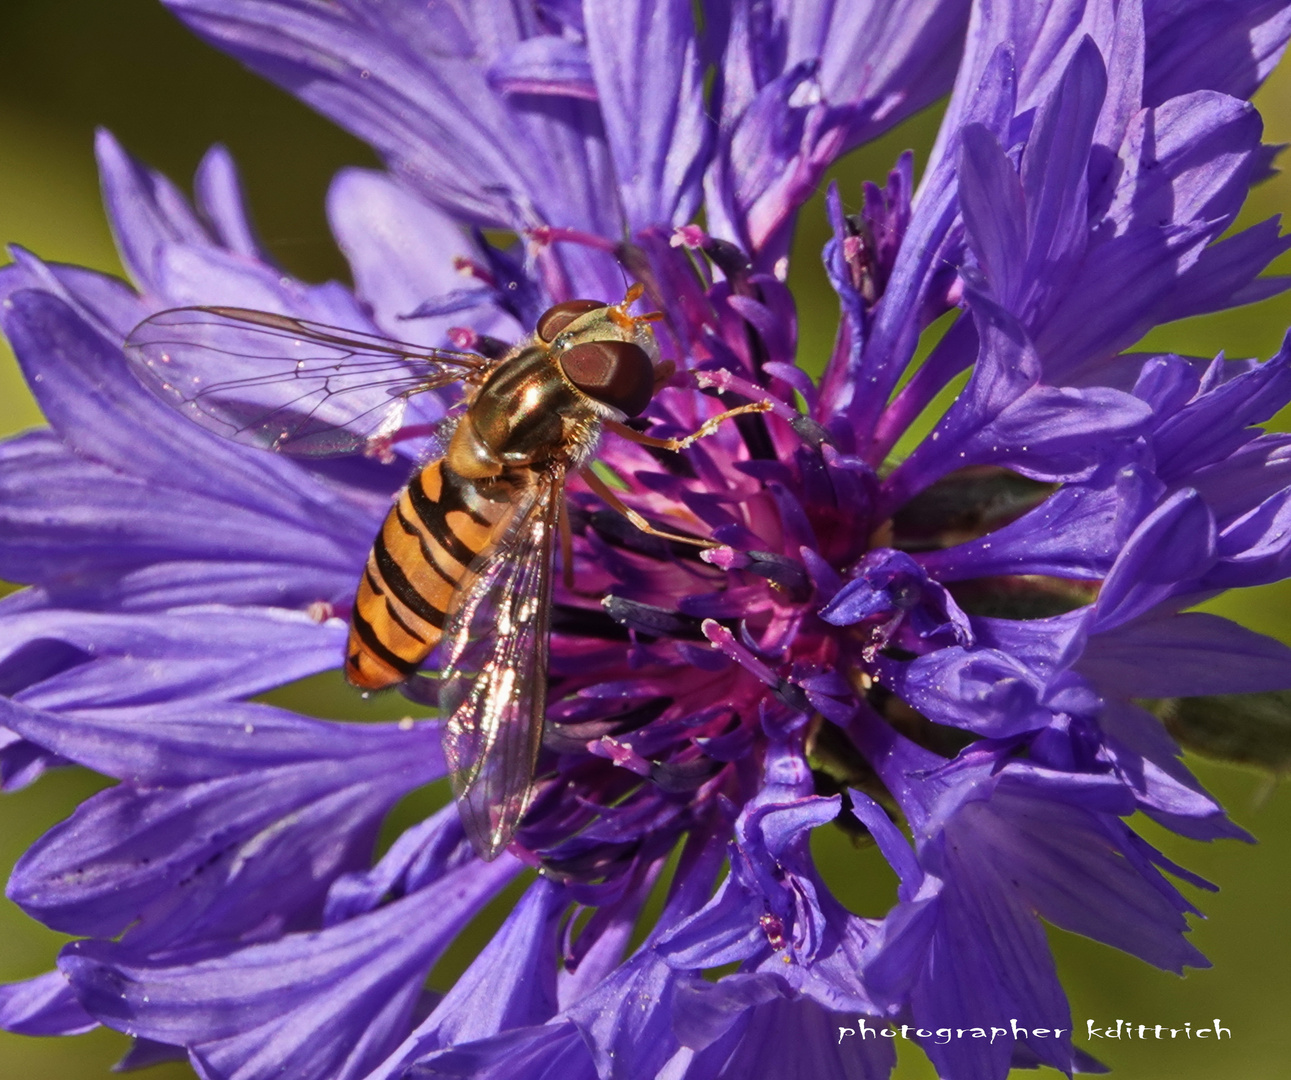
286, 384
495, 692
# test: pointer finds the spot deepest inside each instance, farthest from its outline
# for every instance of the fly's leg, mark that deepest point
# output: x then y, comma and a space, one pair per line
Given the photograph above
566, 547
676, 445
601, 489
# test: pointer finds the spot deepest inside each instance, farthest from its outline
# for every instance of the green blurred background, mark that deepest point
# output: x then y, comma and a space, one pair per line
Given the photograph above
67, 66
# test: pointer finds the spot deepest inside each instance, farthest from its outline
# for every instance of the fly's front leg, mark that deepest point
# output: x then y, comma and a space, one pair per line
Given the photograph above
601, 489
566, 547
676, 445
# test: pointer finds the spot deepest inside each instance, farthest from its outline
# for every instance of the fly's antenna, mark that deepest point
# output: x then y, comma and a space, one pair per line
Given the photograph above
619, 312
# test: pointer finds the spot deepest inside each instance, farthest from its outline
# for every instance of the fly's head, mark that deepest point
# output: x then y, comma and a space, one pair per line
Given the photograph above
605, 352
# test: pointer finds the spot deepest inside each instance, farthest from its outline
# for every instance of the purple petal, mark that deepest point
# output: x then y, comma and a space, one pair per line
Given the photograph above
130, 660
627, 1021
969, 948
1059, 433
770, 1034
1230, 46
726, 931
1114, 296
93, 402
1184, 170
793, 99
994, 209
220, 200
1055, 164
185, 741
146, 209
890, 593
1187, 160
895, 847
1006, 417
650, 85
545, 65
1253, 548
403, 252
422, 854
1216, 423
145, 1053
911, 51
1069, 873
23, 762
1250, 475
1226, 274
988, 99
982, 690
1172, 548
1147, 761
553, 1051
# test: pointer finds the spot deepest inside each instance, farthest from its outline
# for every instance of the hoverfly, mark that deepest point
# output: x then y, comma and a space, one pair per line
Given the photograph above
464, 557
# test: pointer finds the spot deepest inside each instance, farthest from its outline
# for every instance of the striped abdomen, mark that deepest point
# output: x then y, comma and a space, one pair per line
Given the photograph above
430, 537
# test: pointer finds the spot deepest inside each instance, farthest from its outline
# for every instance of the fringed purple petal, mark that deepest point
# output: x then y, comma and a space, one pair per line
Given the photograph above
146, 209
793, 99
753, 1026
237, 855
43, 1006
328, 1004
96, 537
1076, 533
415, 84
554, 1051
97, 407
1167, 554
1189, 655
403, 253
545, 65
509, 985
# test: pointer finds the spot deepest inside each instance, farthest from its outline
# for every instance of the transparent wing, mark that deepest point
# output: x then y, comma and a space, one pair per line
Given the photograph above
286, 384
495, 691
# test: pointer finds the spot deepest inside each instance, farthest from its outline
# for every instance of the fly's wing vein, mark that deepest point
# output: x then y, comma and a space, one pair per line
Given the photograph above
495, 691
283, 383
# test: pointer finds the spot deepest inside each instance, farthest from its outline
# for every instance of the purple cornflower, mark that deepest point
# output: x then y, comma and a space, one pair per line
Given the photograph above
943, 653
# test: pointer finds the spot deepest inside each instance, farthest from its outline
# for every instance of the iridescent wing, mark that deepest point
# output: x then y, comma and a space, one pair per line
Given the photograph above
286, 384
495, 690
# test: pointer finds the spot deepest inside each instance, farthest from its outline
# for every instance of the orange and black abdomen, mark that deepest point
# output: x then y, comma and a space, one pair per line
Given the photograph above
438, 526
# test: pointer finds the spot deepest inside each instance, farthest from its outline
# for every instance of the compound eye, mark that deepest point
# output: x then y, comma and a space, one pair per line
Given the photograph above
618, 373
555, 319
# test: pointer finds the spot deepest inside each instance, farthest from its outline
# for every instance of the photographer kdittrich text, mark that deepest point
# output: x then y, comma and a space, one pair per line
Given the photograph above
1122, 1029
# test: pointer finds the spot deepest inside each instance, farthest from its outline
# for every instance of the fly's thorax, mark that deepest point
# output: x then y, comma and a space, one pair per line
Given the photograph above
524, 414
587, 362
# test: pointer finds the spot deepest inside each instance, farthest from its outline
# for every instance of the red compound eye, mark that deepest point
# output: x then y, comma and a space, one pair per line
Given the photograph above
618, 373
555, 319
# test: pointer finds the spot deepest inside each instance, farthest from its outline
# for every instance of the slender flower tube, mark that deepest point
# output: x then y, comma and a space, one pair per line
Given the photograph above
945, 652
